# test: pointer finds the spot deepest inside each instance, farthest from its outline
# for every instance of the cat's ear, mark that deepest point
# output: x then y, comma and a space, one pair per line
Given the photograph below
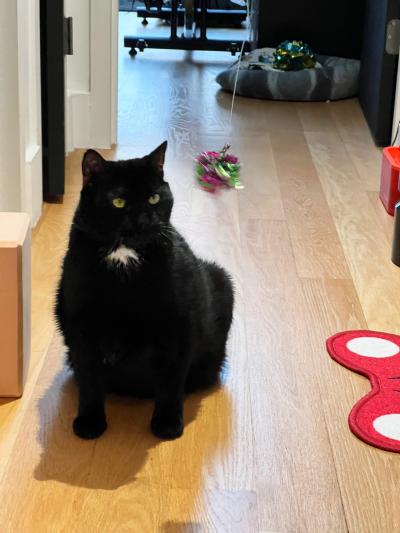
92, 165
157, 157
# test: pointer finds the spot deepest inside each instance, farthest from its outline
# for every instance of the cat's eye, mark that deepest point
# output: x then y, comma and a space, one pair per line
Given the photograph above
119, 203
154, 199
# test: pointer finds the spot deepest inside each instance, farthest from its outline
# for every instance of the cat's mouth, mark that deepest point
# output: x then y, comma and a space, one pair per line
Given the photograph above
137, 238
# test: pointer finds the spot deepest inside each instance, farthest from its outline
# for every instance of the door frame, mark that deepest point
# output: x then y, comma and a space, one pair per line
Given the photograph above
378, 71
91, 103
104, 72
29, 117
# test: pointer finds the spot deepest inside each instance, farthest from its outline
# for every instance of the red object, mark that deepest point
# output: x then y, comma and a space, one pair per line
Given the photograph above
389, 193
375, 418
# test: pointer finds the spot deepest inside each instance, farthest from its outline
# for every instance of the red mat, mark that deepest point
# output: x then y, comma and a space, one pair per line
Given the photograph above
375, 419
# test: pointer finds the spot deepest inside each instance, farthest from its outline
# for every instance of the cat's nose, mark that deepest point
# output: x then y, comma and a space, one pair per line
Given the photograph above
127, 226
142, 221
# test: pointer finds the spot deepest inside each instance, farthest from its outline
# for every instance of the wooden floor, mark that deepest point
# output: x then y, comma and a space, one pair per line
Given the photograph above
308, 245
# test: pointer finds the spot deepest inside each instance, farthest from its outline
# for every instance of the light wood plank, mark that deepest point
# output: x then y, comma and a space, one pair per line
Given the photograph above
355, 135
294, 468
366, 243
316, 116
316, 246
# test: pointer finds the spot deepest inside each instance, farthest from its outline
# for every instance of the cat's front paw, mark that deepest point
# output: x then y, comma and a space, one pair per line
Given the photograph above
166, 425
89, 427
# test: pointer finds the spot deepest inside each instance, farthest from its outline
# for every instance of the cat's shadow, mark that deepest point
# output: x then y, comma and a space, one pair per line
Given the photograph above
109, 462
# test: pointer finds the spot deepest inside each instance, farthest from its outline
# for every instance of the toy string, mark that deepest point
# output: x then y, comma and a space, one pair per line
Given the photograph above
239, 63
396, 134
218, 169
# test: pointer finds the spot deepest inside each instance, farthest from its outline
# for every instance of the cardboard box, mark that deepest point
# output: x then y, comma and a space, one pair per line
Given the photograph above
15, 302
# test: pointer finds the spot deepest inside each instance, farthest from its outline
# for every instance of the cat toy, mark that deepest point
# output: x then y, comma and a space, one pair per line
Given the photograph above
218, 170
293, 55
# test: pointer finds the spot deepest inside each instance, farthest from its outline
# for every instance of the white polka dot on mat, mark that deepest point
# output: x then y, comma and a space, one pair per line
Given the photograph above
373, 347
388, 425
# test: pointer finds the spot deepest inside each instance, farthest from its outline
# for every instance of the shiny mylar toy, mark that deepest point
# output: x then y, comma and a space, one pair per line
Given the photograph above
218, 170
293, 55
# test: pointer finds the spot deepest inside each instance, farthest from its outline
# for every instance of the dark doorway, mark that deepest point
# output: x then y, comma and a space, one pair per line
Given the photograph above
52, 76
379, 69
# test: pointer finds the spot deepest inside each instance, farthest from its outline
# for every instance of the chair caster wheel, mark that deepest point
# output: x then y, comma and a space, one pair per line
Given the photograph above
132, 52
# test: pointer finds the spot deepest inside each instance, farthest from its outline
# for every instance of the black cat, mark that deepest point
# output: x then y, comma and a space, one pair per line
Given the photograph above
140, 313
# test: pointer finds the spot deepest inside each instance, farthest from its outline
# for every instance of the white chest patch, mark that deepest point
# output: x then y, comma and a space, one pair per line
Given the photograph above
123, 256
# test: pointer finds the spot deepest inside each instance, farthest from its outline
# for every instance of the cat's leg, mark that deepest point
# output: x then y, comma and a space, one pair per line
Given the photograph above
170, 376
91, 420
88, 369
167, 419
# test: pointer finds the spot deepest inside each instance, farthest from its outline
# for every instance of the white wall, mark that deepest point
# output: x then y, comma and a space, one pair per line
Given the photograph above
20, 115
91, 74
30, 113
10, 187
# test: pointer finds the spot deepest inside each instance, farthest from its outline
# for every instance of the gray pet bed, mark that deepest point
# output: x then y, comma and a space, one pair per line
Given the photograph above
333, 78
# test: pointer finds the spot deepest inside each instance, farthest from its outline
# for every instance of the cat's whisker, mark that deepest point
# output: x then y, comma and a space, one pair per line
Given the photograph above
167, 230
165, 236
